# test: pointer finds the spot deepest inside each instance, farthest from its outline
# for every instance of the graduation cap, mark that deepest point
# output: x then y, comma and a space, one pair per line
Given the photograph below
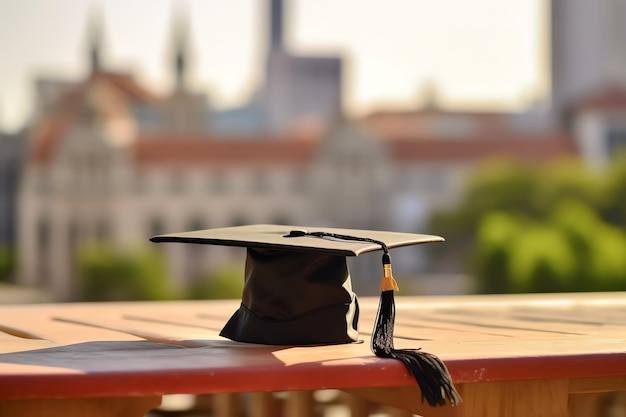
297, 291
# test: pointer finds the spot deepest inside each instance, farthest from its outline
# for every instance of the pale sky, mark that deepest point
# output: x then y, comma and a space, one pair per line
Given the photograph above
488, 54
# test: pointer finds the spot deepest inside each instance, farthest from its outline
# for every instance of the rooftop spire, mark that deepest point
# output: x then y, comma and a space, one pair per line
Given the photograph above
180, 36
94, 36
276, 24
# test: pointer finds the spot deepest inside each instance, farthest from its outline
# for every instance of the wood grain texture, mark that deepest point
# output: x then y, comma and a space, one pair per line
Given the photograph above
545, 398
150, 349
83, 407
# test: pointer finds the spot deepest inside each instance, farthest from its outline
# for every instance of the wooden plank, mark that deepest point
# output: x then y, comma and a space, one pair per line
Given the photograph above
502, 322
226, 405
106, 321
23, 345
586, 317
84, 407
9, 334
585, 405
540, 398
359, 405
95, 347
591, 385
185, 320
145, 329
565, 314
300, 404
39, 323
263, 404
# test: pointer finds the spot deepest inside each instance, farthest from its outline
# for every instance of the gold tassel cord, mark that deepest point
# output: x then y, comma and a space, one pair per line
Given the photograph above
388, 283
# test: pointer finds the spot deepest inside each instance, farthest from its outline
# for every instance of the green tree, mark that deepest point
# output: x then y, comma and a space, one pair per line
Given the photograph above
517, 254
497, 185
225, 282
555, 227
569, 180
492, 258
7, 264
541, 260
615, 210
110, 274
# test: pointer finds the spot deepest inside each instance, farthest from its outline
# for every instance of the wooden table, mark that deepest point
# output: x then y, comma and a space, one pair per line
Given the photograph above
513, 355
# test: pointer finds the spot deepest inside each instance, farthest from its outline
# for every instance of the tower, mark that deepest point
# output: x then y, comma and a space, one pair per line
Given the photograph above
276, 24
94, 39
180, 40
588, 49
298, 88
589, 75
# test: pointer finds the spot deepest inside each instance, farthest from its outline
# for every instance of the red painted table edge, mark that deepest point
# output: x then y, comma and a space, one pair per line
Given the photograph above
383, 373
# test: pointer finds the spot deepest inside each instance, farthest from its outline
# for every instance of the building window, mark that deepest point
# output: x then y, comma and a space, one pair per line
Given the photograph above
300, 182
616, 138
43, 234
177, 183
260, 183
43, 184
43, 255
140, 182
73, 235
435, 180
406, 181
218, 182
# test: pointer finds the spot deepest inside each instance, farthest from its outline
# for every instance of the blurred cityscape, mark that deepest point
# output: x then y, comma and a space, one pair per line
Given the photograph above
104, 163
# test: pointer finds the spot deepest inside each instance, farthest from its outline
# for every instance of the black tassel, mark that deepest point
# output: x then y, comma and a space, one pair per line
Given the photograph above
429, 371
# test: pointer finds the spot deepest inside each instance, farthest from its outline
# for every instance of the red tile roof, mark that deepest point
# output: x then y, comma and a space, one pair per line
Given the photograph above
405, 144
535, 148
127, 84
433, 123
49, 131
608, 98
193, 151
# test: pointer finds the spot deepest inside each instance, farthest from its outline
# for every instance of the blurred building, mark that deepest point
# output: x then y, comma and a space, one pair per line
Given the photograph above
298, 88
110, 160
99, 170
12, 148
298, 92
589, 75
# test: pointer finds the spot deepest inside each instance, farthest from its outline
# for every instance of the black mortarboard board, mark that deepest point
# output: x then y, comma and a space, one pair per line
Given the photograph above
297, 291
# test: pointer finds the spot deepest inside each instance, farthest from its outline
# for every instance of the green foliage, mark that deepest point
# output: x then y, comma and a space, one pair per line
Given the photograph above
615, 210
7, 264
496, 231
109, 274
500, 185
569, 180
541, 260
496, 185
225, 282
558, 227
600, 247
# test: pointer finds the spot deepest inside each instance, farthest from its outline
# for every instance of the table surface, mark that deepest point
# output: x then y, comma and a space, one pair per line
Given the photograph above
154, 348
